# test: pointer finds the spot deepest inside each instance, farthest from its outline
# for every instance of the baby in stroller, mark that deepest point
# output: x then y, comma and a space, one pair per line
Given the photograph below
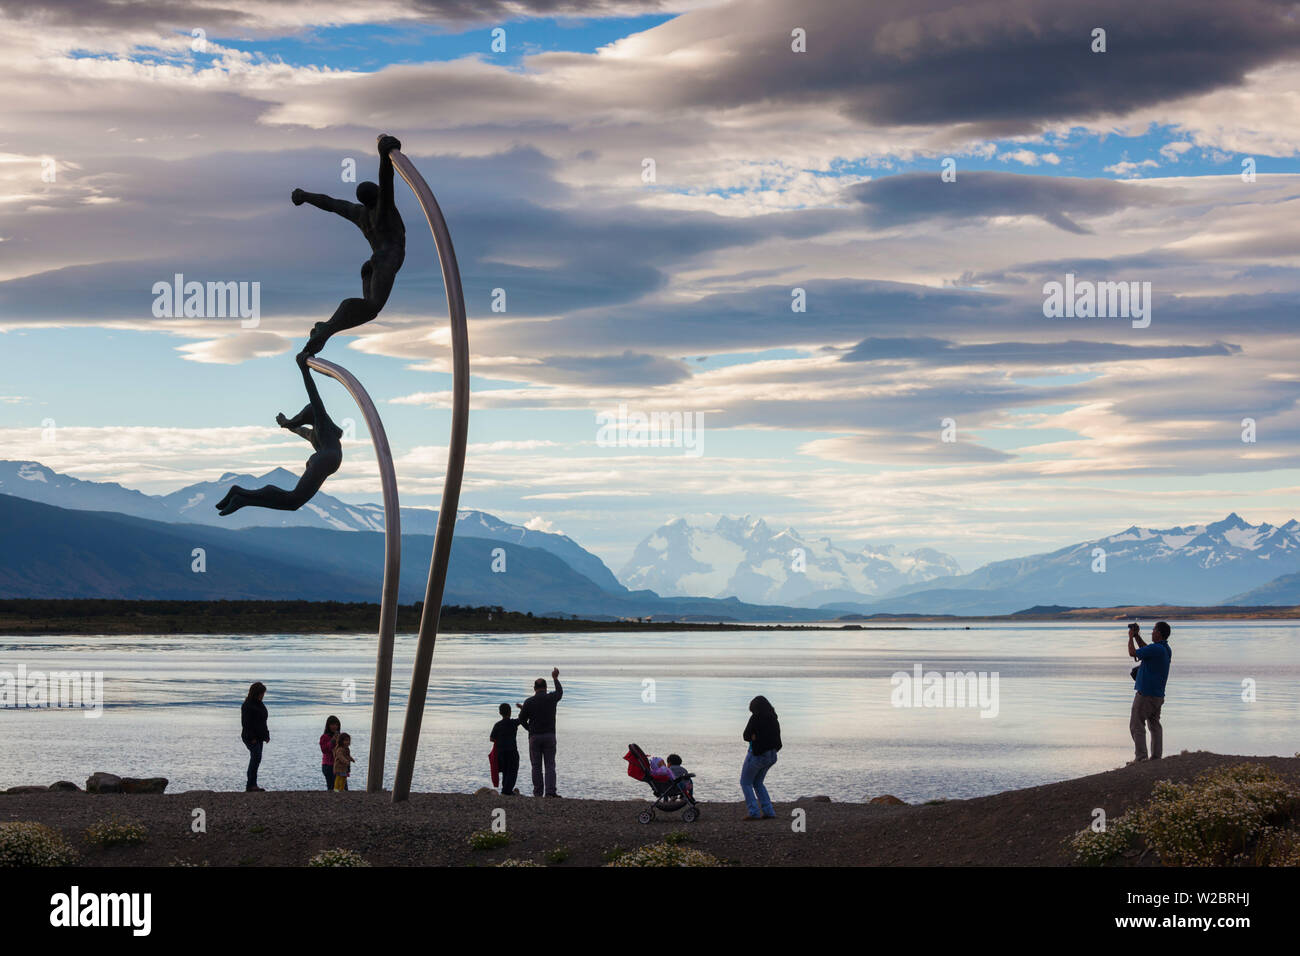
672, 785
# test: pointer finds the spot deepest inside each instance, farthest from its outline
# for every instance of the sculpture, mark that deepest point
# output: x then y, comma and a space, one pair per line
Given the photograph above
379, 221
314, 424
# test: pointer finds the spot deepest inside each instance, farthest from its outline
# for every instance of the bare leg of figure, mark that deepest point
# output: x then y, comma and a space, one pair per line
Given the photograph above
275, 497
349, 314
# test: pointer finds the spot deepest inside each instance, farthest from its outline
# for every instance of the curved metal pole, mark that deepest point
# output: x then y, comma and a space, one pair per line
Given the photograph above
451, 484
392, 568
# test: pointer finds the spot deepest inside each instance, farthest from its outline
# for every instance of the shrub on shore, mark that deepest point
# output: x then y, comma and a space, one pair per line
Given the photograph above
1096, 847
1212, 821
116, 832
1278, 848
337, 857
665, 854
24, 843
487, 839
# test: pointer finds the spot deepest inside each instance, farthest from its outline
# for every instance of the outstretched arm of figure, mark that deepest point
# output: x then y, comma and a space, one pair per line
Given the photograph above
350, 211
318, 407
386, 144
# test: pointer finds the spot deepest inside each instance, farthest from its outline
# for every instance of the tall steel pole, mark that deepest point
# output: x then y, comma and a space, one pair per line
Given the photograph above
392, 568
451, 484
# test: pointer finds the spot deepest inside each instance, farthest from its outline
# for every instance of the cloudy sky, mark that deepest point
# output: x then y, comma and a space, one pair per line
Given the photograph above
143, 140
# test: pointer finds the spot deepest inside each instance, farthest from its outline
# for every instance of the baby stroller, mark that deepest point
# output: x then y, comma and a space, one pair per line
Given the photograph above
671, 794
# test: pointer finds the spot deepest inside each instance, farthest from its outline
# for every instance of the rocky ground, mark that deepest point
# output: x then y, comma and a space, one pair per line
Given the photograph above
1016, 828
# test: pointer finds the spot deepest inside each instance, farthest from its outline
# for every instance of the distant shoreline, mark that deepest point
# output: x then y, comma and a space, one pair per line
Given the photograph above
34, 616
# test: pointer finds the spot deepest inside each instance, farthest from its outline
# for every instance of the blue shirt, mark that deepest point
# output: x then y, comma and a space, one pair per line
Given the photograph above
1153, 668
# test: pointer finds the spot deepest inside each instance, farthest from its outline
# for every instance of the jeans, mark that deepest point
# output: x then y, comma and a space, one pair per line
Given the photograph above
751, 783
254, 759
328, 770
508, 765
541, 749
1146, 713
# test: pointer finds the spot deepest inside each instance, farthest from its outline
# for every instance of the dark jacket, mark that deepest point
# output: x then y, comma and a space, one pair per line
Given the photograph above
763, 732
252, 715
503, 734
537, 715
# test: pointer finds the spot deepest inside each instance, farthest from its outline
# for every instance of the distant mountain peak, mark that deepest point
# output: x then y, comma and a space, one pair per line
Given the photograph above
279, 475
740, 558
1232, 522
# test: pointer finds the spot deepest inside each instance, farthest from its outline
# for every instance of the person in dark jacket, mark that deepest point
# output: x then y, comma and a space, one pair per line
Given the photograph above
252, 715
763, 732
503, 735
537, 716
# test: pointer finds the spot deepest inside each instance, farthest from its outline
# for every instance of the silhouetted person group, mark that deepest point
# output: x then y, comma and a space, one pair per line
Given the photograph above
537, 714
762, 733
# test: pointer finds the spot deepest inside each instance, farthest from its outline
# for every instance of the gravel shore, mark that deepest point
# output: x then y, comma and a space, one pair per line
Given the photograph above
1019, 827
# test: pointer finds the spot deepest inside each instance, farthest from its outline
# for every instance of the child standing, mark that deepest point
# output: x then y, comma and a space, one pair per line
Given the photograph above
342, 762
327, 742
503, 735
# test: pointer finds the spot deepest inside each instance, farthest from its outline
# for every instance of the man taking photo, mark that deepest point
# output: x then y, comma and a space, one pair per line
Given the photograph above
1150, 676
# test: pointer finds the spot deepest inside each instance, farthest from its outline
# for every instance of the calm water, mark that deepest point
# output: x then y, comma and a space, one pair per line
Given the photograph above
172, 706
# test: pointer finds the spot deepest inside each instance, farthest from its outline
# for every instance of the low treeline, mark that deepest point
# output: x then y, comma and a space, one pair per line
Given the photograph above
104, 616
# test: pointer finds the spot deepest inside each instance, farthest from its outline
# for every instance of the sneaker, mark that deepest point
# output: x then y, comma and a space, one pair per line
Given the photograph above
769, 816
555, 795
747, 818
254, 790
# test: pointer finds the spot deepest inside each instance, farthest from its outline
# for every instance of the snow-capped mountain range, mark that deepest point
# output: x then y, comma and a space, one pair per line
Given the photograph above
1223, 562
745, 558
195, 504
1203, 564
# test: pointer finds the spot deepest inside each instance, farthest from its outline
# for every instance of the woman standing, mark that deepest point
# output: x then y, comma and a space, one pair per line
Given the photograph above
252, 715
764, 735
328, 740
